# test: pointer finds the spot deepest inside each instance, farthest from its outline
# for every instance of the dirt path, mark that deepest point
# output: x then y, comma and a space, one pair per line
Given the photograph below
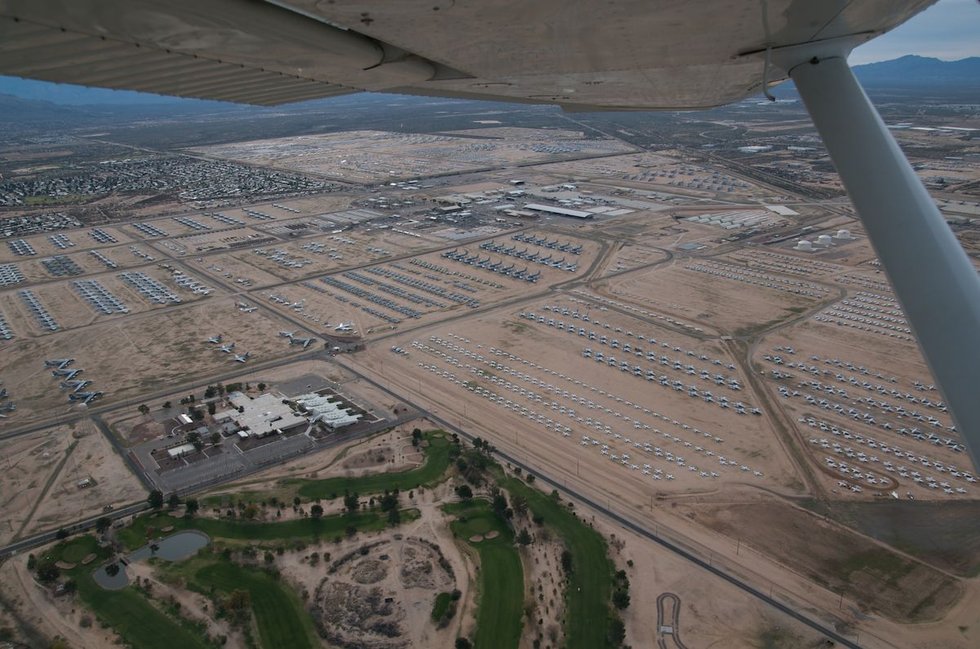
781, 423
44, 492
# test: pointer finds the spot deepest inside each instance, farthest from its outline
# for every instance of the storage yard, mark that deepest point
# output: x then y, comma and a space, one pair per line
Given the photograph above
672, 341
374, 156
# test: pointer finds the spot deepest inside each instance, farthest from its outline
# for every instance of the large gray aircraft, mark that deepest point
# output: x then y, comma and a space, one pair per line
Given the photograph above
84, 397
67, 373
75, 385
580, 54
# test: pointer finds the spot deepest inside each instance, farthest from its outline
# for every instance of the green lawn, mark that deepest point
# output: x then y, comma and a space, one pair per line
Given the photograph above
279, 615
129, 614
309, 529
76, 549
440, 606
436, 463
589, 588
137, 621
501, 582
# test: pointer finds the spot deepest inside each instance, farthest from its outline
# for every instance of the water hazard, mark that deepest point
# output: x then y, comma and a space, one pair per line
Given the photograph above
173, 548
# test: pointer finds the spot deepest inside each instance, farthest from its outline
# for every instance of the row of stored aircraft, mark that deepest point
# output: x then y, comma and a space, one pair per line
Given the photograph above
496, 267
526, 255
544, 242
228, 348
63, 370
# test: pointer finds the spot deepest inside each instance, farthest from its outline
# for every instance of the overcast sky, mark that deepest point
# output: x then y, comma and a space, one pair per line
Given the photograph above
948, 30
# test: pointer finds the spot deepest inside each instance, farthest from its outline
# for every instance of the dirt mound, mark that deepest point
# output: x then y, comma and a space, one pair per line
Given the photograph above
356, 617
421, 567
370, 458
369, 571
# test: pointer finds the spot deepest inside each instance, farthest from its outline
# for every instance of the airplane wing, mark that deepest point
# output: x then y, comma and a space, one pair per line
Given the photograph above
579, 53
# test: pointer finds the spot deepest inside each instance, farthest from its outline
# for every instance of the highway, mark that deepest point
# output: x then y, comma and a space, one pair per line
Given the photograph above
73, 528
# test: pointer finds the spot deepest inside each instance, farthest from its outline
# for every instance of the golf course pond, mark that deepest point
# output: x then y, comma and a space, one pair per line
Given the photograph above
173, 548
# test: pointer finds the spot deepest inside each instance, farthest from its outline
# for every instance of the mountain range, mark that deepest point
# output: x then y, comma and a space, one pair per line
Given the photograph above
918, 71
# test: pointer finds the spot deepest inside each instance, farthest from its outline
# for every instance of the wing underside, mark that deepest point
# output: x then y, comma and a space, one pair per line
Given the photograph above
579, 53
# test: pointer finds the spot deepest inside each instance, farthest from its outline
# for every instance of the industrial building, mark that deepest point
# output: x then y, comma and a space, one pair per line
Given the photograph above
560, 211
329, 412
261, 416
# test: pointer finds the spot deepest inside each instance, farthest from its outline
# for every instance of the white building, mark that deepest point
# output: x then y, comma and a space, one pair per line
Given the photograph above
263, 415
327, 411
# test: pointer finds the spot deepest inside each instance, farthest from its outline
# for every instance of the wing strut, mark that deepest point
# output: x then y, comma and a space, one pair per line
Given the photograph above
933, 278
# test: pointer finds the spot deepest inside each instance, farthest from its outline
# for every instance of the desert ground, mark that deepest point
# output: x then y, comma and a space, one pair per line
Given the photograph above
753, 400
142, 353
61, 474
372, 156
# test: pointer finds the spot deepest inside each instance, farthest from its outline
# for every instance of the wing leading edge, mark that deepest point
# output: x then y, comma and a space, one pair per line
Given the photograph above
632, 54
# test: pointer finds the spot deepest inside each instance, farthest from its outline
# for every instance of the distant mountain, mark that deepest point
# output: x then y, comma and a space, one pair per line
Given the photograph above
20, 110
66, 94
920, 71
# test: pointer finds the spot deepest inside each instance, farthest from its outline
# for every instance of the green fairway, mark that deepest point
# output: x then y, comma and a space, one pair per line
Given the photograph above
137, 621
76, 549
279, 615
440, 606
589, 589
500, 616
436, 463
308, 529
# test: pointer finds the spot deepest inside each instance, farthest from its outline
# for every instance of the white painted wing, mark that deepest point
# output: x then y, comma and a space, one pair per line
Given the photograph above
579, 53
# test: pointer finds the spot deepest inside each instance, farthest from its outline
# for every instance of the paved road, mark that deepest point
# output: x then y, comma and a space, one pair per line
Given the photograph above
79, 526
